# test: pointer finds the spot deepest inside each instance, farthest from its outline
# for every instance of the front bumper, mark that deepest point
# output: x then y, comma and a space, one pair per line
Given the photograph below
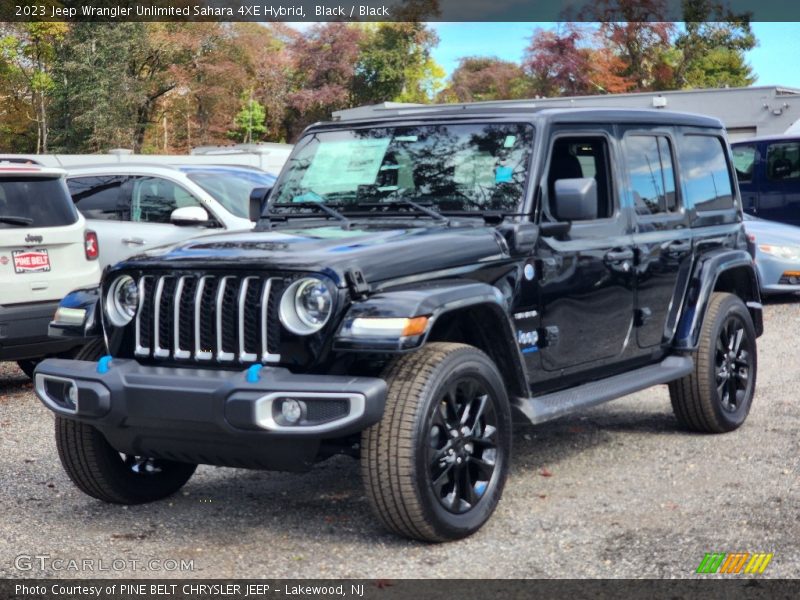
24, 332
777, 275
210, 416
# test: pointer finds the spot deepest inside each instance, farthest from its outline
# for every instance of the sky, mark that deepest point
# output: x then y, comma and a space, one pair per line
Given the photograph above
774, 61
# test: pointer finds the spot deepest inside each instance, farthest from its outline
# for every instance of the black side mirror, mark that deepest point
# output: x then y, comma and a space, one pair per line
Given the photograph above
258, 201
576, 199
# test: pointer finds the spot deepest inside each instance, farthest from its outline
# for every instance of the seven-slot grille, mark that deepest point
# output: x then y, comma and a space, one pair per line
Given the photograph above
225, 319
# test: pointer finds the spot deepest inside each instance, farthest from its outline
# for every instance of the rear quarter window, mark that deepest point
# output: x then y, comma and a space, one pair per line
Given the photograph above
45, 201
706, 177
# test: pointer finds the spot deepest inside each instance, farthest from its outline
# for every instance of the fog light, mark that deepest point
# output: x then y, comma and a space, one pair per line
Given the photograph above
292, 410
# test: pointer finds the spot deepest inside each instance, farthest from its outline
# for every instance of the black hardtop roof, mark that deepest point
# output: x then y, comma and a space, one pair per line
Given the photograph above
530, 110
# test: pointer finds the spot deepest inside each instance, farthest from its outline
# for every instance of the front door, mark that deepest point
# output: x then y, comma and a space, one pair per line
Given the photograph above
586, 276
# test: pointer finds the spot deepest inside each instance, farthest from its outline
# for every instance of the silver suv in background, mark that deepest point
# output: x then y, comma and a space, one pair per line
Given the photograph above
135, 207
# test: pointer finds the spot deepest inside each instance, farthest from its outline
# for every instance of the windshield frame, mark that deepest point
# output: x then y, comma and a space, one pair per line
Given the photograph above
525, 200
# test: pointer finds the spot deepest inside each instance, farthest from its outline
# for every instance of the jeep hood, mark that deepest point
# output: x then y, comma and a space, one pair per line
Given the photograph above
380, 252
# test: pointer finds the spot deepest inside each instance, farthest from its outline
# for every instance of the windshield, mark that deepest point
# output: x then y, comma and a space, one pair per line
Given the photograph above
232, 190
453, 167
35, 202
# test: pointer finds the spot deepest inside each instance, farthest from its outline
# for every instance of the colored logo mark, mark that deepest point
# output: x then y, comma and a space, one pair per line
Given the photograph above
735, 562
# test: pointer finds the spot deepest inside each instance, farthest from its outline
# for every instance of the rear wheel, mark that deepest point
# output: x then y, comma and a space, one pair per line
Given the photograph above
434, 467
717, 396
103, 473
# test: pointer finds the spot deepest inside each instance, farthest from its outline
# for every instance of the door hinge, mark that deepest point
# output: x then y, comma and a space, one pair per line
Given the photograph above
356, 283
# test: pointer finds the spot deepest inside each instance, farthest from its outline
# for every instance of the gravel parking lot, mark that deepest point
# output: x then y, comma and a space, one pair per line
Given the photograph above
618, 491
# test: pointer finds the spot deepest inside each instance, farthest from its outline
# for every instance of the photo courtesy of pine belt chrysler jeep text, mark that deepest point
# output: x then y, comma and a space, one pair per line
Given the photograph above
417, 279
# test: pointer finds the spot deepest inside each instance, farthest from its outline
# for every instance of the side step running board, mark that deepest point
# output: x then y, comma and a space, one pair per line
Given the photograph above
556, 404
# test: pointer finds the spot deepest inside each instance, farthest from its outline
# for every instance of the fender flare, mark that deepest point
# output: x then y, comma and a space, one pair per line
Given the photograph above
435, 300
706, 274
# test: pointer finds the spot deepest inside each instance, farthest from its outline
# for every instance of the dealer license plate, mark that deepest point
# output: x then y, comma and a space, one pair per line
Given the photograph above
31, 261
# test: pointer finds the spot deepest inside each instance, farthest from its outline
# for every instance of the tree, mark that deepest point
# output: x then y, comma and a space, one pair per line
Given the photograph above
324, 64
712, 47
559, 62
249, 122
28, 51
395, 64
479, 79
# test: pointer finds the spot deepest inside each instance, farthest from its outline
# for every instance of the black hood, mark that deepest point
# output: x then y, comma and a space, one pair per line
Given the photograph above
380, 251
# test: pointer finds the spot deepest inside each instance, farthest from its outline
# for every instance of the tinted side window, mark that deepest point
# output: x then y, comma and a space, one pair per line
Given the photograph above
651, 174
153, 199
783, 161
744, 161
704, 169
99, 197
581, 157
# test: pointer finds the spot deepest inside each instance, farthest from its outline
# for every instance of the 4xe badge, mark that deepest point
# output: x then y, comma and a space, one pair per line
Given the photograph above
31, 261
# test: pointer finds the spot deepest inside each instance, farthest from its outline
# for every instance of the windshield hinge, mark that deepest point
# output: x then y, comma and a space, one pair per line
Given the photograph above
356, 283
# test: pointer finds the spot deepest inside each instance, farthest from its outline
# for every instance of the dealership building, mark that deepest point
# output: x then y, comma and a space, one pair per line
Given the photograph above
745, 112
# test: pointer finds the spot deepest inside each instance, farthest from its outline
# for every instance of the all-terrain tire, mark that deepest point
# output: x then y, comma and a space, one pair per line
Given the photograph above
717, 396
434, 467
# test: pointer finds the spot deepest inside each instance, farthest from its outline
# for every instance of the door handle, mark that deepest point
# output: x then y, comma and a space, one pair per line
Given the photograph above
133, 241
615, 256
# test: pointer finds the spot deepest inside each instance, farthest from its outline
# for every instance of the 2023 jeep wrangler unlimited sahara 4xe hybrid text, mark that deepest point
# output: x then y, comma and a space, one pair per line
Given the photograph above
415, 281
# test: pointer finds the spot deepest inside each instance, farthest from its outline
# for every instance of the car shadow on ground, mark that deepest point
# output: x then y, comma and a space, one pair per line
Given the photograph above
781, 299
329, 501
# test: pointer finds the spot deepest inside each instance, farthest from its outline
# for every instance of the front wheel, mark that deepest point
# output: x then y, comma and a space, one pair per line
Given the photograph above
434, 467
103, 473
717, 396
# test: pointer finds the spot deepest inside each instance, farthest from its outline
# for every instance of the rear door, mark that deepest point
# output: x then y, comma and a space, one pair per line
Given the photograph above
662, 237
131, 213
42, 252
586, 279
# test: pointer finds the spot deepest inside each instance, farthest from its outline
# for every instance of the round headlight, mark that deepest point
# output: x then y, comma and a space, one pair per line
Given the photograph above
306, 306
122, 301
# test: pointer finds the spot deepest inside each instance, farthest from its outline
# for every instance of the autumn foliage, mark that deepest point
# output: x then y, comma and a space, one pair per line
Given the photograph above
167, 87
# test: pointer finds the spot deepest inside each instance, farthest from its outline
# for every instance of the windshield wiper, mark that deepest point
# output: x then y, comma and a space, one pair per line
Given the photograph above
403, 201
21, 221
326, 208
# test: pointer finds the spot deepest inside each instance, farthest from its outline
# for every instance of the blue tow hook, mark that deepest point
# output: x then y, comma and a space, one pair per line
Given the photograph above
103, 364
253, 373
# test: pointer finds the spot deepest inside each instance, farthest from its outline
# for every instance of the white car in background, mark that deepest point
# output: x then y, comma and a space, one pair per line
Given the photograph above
45, 253
134, 207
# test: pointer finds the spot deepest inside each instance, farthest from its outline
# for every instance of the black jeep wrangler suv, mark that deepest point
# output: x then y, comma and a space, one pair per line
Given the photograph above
416, 280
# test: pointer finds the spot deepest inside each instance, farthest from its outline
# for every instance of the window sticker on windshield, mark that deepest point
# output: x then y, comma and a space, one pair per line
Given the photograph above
503, 174
473, 168
509, 142
343, 165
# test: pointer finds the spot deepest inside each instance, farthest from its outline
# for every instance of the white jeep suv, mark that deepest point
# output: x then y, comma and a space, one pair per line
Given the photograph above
45, 253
